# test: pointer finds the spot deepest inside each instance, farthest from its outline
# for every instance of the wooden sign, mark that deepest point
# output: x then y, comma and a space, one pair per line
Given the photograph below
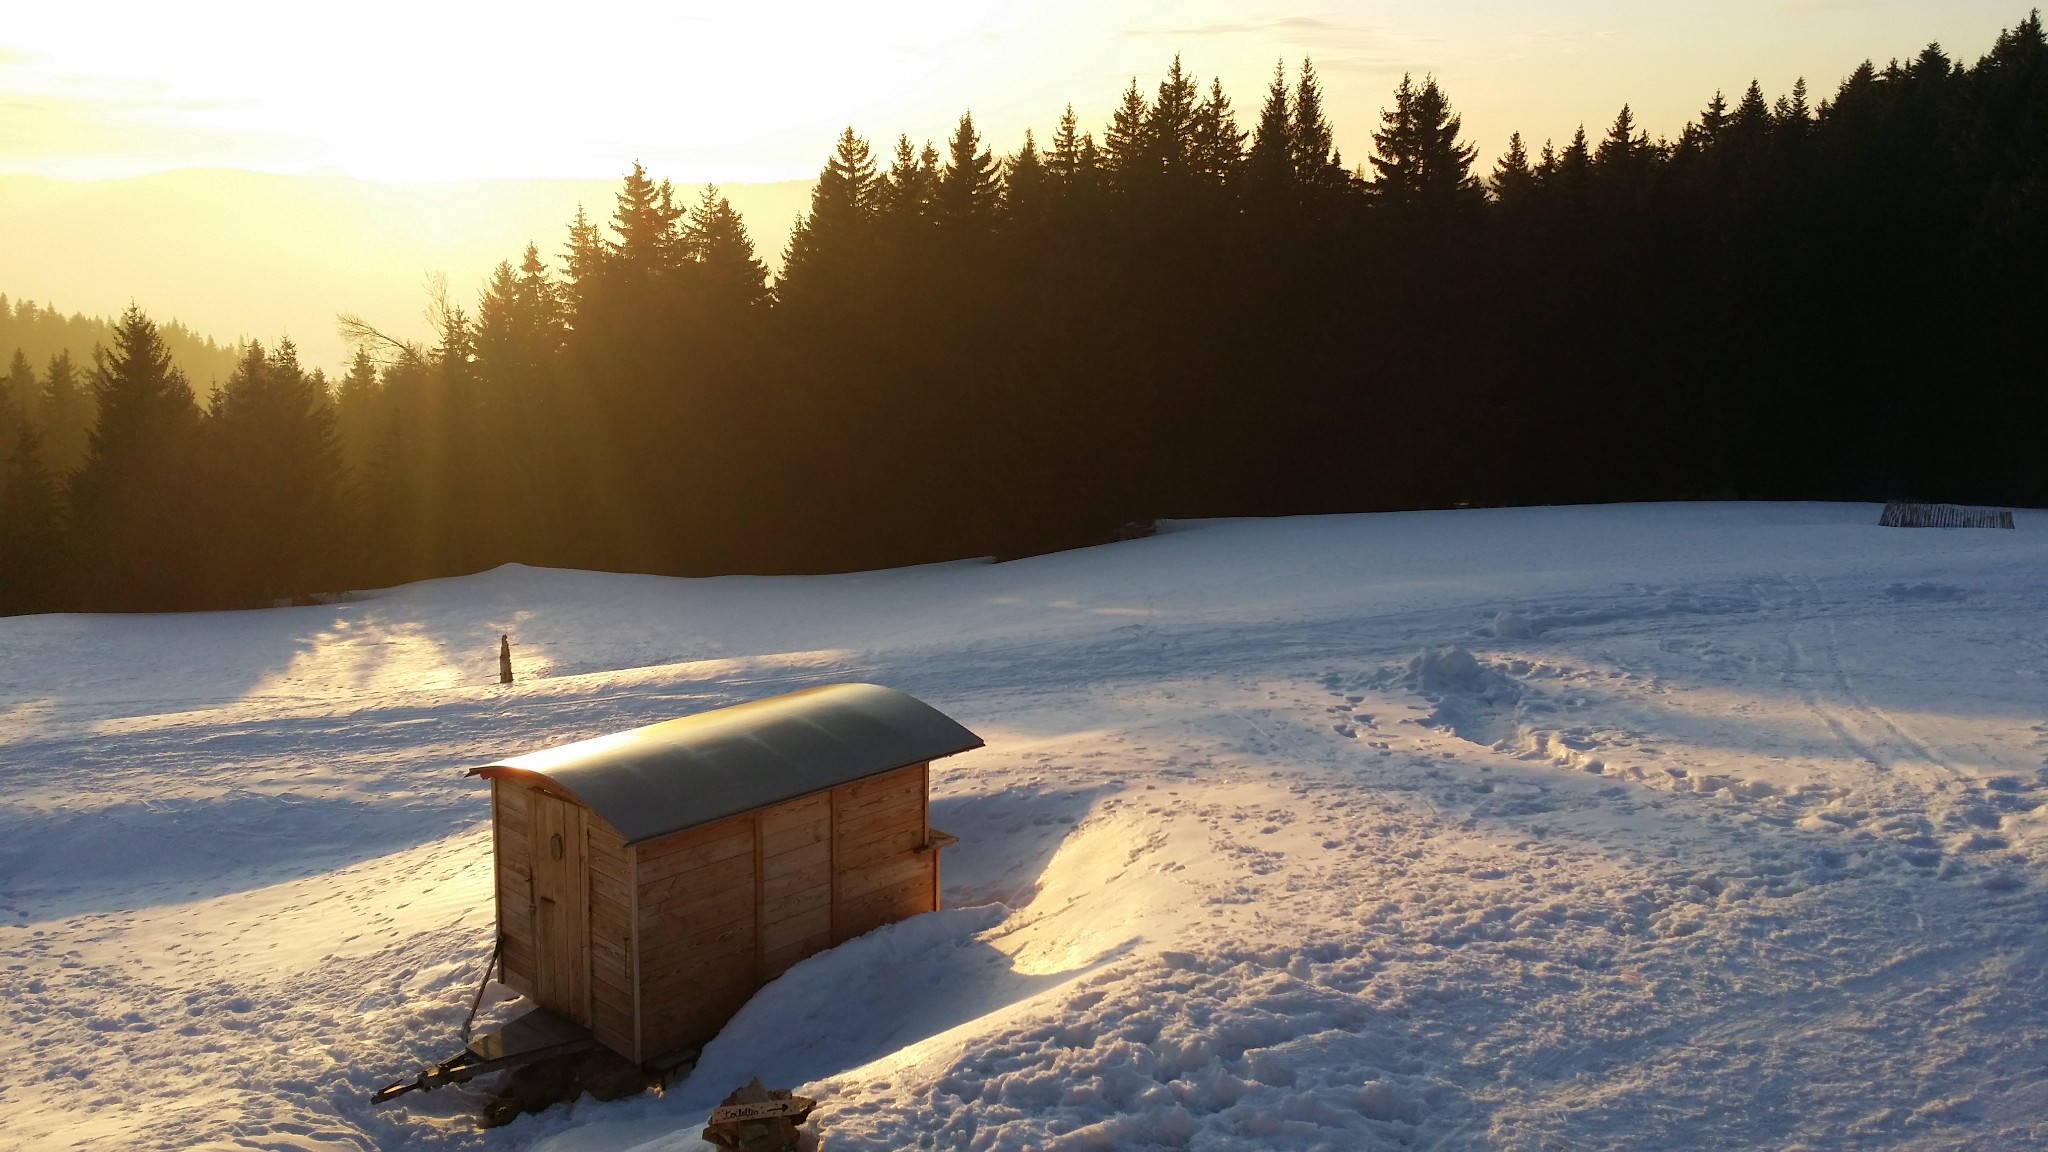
738, 1113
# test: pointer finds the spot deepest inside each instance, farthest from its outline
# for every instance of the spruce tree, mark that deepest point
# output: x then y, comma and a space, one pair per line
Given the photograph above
359, 410
28, 527
1623, 143
64, 413
1422, 171
1271, 159
1513, 180
1714, 118
970, 185
18, 387
1064, 161
1026, 185
1168, 136
283, 489
646, 221
1218, 151
1624, 161
582, 260
908, 191
1311, 142
1123, 145
831, 241
17, 390
716, 238
134, 501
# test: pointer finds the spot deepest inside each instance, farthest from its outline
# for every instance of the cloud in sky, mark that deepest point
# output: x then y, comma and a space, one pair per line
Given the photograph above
1334, 45
82, 125
1293, 25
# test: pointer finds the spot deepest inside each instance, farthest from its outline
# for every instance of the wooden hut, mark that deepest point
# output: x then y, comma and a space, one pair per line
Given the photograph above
648, 882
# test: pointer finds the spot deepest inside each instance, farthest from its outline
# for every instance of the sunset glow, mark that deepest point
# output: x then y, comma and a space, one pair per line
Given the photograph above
418, 92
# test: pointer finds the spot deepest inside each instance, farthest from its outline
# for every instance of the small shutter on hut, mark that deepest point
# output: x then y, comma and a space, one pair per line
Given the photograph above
713, 851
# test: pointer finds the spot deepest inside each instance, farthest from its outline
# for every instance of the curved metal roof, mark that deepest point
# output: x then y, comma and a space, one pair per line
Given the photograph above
666, 777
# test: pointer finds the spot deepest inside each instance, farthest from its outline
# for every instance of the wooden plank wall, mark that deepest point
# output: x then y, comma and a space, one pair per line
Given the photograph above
612, 1006
879, 874
698, 932
796, 882
727, 907
513, 838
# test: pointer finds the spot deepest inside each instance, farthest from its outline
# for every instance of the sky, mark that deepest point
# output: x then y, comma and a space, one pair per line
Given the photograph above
130, 133
426, 91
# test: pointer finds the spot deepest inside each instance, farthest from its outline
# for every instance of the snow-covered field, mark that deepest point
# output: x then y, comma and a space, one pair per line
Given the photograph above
1679, 826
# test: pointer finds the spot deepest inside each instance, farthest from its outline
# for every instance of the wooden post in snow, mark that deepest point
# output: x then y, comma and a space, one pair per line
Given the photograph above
504, 659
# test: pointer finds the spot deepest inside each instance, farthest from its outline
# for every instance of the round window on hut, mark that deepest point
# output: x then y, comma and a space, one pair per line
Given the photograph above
555, 846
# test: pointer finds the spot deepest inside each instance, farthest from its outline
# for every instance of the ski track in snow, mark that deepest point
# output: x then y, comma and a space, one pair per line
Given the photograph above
1630, 827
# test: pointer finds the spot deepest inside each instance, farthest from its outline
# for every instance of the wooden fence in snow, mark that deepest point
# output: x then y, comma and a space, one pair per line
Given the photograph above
1910, 514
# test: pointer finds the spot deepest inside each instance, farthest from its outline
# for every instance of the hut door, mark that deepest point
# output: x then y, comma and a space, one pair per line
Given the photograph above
561, 919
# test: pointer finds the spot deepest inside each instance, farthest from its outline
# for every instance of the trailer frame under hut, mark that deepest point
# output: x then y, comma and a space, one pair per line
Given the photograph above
650, 881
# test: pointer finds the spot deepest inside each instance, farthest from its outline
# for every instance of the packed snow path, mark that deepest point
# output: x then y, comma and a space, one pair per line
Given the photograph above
1628, 827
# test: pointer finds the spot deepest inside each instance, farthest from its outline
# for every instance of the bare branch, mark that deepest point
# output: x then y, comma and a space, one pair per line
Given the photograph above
385, 349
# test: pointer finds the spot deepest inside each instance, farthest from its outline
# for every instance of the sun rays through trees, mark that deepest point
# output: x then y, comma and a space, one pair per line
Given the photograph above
981, 347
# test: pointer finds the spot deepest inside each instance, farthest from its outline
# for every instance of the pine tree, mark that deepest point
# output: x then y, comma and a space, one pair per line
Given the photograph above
1167, 138
1513, 180
282, 485
1312, 143
1064, 161
1574, 167
1624, 160
1421, 169
17, 390
520, 326
646, 220
716, 239
1026, 185
908, 193
64, 412
28, 527
134, 503
20, 382
1714, 119
970, 185
359, 411
582, 260
1218, 151
1271, 160
539, 296
830, 241
1752, 119
1124, 146
1623, 143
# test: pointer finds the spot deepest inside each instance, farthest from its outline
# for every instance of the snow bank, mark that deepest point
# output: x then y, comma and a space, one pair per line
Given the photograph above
1624, 827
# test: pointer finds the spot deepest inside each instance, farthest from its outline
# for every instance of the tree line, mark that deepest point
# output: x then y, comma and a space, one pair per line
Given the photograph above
1192, 314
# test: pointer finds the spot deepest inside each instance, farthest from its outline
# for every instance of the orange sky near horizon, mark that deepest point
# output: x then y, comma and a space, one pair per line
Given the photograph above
425, 91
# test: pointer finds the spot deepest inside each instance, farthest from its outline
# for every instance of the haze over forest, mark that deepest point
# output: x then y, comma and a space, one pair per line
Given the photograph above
238, 255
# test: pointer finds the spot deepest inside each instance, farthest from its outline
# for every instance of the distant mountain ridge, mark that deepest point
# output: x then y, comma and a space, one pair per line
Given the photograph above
40, 332
243, 255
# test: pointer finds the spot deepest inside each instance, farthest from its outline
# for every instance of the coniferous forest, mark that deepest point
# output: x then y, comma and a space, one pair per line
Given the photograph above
1195, 310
